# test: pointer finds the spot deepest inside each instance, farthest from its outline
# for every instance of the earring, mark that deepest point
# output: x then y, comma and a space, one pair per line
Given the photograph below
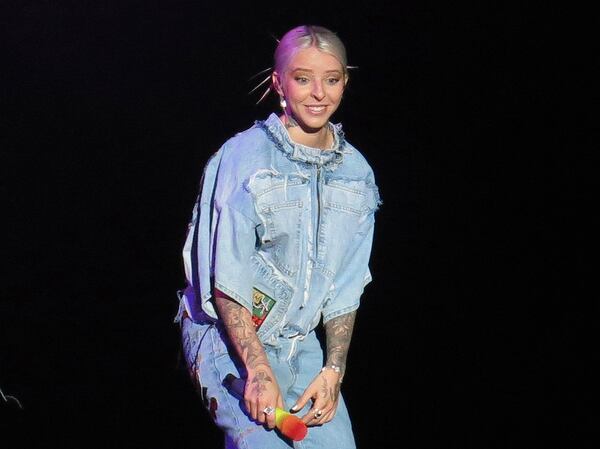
289, 120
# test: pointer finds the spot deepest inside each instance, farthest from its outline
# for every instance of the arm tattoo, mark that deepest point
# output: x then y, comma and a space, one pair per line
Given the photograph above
238, 322
338, 333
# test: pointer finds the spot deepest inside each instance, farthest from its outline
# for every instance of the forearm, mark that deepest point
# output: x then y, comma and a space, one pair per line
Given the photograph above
324, 390
338, 332
242, 334
261, 390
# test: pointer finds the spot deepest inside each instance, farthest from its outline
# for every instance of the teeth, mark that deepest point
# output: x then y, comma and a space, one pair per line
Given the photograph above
316, 108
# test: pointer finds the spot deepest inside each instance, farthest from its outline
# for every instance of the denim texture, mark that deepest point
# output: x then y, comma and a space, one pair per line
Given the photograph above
292, 221
295, 361
296, 224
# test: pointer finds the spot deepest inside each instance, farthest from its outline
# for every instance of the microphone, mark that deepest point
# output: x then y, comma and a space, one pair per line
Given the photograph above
289, 425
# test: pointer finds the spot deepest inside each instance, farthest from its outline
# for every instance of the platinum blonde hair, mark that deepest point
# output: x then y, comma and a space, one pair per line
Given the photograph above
301, 37
306, 36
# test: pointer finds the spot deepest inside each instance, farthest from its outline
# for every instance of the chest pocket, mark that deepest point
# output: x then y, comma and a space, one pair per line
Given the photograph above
279, 202
345, 204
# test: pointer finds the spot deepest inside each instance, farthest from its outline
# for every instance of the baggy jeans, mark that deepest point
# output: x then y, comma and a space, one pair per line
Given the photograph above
295, 362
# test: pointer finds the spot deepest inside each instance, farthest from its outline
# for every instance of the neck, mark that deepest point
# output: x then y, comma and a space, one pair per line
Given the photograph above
321, 138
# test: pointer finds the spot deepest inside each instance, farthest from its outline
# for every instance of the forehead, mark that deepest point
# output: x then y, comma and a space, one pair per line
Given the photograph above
314, 59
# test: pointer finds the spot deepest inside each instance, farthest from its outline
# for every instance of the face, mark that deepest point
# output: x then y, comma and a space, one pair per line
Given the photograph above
312, 85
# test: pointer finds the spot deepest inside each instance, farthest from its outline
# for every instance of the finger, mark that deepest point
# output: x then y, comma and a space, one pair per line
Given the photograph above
271, 420
269, 416
262, 412
324, 414
313, 415
328, 417
251, 409
301, 402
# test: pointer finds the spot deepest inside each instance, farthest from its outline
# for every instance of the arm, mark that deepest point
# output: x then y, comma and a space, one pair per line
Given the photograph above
261, 389
325, 388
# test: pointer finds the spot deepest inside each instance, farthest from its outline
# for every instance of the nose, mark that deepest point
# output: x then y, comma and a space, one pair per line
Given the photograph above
317, 91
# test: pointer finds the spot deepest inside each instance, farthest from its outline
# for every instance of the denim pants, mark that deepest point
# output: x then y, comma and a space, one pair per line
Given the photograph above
295, 362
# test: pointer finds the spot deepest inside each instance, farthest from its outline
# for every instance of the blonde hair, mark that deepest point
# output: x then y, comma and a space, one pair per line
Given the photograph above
299, 38
306, 36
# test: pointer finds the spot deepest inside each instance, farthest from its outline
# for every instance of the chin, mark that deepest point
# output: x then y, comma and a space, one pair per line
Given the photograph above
312, 123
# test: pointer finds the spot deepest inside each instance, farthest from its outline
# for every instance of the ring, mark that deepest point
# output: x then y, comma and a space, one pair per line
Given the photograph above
318, 414
269, 410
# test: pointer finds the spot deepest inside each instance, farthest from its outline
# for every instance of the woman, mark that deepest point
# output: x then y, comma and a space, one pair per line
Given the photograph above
279, 241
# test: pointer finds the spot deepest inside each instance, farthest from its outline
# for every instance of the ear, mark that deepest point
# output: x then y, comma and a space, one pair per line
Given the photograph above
276, 81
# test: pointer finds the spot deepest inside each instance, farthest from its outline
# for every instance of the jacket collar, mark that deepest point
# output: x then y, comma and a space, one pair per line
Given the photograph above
328, 159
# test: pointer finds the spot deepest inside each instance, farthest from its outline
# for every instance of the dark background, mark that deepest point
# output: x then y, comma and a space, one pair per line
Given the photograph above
470, 335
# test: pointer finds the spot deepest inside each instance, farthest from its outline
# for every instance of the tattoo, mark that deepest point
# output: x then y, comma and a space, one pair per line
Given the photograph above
335, 391
290, 122
324, 390
329, 391
259, 382
338, 333
238, 322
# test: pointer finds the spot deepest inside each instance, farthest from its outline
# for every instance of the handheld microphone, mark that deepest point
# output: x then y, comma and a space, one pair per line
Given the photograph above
289, 425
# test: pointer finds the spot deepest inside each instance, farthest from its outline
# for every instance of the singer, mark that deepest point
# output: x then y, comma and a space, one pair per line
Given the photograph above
279, 242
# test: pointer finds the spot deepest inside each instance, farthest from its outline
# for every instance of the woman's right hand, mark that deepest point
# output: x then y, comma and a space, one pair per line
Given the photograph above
261, 393
261, 390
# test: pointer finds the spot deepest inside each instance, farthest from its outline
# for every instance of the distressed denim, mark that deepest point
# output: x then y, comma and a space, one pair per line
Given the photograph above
295, 361
291, 222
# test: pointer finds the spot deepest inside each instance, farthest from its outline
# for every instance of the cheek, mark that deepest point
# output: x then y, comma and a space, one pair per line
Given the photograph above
296, 92
336, 95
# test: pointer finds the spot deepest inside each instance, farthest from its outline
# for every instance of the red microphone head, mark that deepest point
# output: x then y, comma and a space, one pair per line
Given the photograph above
289, 425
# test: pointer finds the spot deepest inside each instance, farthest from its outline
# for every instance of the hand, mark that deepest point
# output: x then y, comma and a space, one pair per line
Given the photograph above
262, 391
324, 391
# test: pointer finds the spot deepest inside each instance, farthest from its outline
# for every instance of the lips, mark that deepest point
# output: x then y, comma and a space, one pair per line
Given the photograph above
316, 109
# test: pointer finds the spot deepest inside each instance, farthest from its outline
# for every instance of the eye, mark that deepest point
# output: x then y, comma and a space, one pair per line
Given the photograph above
301, 79
333, 81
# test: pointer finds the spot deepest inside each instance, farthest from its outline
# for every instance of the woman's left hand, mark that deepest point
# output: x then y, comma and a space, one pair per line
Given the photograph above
324, 391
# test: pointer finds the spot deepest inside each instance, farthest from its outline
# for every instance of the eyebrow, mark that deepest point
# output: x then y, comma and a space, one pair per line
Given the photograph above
301, 69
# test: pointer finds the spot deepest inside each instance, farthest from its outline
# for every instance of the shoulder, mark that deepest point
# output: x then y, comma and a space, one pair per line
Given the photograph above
239, 156
356, 169
248, 146
356, 164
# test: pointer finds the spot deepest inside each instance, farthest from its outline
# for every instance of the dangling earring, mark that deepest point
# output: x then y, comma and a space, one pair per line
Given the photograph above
289, 121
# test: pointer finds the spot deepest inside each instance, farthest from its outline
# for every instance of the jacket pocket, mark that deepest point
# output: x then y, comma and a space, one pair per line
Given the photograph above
279, 201
346, 203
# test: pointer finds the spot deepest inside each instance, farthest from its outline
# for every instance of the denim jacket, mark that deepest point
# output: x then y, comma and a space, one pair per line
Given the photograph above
281, 228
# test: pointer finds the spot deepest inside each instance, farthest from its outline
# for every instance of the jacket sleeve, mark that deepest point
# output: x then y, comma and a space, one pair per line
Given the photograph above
233, 246
221, 240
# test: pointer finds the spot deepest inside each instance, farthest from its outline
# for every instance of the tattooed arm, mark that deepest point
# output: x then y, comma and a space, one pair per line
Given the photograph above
261, 389
338, 332
325, 388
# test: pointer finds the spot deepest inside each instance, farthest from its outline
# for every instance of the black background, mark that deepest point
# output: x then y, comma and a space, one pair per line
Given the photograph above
469, 335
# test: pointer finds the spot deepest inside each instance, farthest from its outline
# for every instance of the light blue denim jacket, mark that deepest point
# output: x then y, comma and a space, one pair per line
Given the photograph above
294, 222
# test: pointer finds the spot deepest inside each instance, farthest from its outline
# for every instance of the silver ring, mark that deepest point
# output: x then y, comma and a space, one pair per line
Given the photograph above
269, 410
318, 414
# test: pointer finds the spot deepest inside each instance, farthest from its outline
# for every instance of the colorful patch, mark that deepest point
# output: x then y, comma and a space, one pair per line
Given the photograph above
261, 306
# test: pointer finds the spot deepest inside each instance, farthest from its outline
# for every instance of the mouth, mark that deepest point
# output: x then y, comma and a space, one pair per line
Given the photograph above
316, 109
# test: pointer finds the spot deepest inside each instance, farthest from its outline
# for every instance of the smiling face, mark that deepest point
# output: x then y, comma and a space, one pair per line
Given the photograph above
312, 85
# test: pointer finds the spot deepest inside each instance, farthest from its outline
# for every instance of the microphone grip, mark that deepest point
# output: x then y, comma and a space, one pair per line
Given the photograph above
289, 425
